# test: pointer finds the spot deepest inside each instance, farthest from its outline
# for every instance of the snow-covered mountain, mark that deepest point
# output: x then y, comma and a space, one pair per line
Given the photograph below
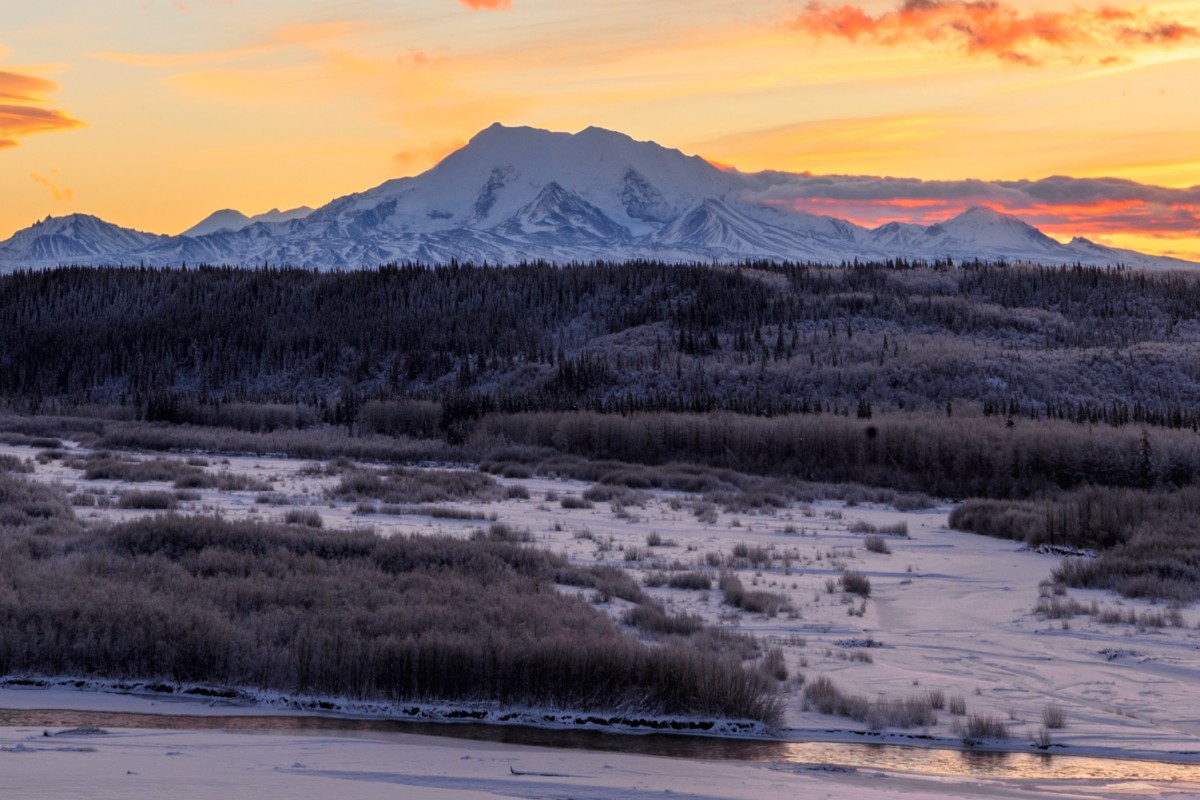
228, 219
520, 194
74, 239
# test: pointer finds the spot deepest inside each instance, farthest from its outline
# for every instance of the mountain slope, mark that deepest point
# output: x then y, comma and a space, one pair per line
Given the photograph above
516, 194
74, 239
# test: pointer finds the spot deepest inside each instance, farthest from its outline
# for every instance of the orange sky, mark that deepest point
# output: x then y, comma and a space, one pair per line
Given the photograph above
153, 114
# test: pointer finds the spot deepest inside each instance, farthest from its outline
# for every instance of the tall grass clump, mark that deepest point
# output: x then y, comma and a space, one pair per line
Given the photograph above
1054, 716
854, 582
984, 727
750, 600
149, 501
915, 711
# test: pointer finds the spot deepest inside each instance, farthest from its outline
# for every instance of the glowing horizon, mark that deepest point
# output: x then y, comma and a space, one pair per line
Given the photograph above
155, 116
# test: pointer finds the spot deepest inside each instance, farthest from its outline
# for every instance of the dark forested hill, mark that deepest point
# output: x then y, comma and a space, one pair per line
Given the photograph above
1084, 344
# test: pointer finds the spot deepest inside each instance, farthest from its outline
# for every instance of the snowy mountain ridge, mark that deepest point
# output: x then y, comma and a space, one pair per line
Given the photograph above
522, 194
228, 219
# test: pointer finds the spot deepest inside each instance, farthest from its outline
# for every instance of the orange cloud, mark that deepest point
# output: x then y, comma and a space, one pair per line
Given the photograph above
494, 5
20, 116
23, 88
61, 193
989, 27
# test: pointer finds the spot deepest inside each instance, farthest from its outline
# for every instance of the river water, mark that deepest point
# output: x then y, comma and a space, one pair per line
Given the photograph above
920, 760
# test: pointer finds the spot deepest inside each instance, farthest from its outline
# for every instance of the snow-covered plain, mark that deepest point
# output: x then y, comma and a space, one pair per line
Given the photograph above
948, 611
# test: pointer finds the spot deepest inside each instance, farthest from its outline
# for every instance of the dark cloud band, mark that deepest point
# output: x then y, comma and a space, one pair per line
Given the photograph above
1112, 205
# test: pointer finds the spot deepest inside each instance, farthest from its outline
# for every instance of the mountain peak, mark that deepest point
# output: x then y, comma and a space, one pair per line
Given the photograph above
986, 214
224, 219
229, 219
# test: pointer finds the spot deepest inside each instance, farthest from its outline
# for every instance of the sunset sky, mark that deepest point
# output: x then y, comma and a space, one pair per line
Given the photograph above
153, 113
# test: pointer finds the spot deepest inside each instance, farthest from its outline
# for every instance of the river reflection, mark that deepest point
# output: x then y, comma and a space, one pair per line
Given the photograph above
921, 760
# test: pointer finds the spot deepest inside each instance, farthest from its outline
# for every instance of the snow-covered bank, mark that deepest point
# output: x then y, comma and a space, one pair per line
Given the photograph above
19, 692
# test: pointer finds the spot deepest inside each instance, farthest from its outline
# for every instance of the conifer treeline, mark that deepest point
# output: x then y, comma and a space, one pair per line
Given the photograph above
1078, 344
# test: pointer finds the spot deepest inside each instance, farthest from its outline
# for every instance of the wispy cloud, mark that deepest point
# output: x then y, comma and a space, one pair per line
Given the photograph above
999, 30
493, 5
61, 194
20, 113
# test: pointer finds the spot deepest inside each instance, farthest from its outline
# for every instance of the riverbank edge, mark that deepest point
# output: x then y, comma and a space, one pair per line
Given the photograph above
203, 700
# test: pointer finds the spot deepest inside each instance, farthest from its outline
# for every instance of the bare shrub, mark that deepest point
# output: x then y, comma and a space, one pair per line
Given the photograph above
705, 512
896, 529
984, 727
103, 466
908, 501
690, 580
825, 697
755, 556
440, 512
1149, 541
650, 617
774, 664
311, 444
25, 505
11, 463
1065, 607
152, 501
854, 582
1054, 716
401, 485
754, 602
575, 502
654, 539
877, 544
224, 481
1042, 740
502, 533
309, 518
609, 582
305, 611
622, 495
957, 705
516, 492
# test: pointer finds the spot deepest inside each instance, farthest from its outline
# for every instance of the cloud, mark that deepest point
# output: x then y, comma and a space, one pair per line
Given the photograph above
993, 28
61, 194
26, 88
1058, 204
18, 121
20, 114
492, 5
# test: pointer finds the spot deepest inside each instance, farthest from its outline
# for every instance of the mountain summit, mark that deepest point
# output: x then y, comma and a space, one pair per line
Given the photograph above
521, 194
